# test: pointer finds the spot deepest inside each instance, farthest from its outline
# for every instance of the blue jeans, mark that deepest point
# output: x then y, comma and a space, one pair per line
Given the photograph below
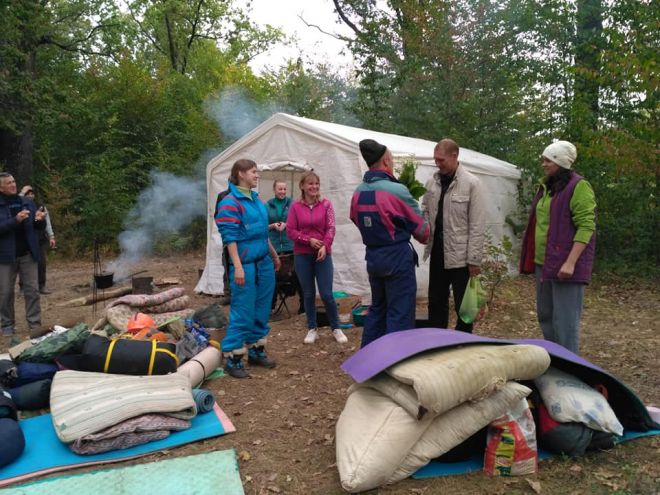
559, 309
310, 271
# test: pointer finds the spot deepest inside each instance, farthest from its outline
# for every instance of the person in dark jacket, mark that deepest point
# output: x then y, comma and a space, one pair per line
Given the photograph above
559, 244
278, 211
387, 216
19, 254
46, 238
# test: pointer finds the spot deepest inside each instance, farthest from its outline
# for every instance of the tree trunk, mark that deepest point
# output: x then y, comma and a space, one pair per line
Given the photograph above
588, 48
16, 154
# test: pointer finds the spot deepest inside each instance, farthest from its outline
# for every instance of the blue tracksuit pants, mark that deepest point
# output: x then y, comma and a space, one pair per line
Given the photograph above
391, 272
249, 309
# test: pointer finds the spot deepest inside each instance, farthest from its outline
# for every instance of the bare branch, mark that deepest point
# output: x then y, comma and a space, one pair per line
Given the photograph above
195, 22
336, 36
344, 18
47, 40
153, 41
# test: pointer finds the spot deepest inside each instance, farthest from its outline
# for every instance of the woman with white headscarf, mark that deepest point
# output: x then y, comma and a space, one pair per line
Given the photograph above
559, 245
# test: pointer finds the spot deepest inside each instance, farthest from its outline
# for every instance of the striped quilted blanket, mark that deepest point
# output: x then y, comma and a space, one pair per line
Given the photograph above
83, 403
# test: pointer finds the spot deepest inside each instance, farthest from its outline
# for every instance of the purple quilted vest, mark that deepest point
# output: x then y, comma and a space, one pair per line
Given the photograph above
560, 237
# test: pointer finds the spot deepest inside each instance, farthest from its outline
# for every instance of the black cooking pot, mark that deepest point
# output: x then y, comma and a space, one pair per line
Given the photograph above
104, 280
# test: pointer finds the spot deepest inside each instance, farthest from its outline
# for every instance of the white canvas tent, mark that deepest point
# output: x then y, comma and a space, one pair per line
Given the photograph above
284, 145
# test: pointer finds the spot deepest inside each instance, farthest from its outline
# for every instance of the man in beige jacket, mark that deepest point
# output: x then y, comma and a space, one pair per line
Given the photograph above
455, 207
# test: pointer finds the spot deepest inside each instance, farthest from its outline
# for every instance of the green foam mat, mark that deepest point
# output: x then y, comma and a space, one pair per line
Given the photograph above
202, 474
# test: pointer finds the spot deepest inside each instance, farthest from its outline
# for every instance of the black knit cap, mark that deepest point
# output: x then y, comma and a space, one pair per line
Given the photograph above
371, 151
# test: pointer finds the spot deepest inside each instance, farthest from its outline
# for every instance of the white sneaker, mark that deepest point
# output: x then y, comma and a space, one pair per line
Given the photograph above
339, 336
310, 338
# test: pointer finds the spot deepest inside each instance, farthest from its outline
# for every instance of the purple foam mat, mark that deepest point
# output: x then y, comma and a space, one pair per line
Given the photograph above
394, 347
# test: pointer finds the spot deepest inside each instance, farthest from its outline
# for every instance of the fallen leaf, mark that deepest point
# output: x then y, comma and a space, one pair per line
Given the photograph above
576, 468
535, 485
274, 489
244, 455
604, 474
288, 478
272, 477
248, 479
256, 442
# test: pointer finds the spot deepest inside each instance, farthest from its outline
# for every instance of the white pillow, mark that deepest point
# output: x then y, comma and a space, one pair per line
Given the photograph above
569, 399
453, 427
374, 435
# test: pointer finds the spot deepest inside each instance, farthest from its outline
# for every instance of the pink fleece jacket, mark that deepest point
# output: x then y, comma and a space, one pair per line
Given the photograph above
305, 222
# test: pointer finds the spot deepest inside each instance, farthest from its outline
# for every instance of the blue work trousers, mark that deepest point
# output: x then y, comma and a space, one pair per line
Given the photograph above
249, 309
393, 283
310, 273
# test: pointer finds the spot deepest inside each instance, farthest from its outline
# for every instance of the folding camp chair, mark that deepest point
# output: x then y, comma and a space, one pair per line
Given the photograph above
285, 285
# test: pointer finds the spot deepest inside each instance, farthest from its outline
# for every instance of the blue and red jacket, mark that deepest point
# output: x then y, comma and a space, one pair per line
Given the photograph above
244, 221
385, 212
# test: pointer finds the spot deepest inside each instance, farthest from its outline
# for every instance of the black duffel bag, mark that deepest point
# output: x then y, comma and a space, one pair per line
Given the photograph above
128, 357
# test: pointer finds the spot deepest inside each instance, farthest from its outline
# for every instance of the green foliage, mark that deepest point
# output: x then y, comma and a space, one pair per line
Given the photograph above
498, 259
407, 177
98, 97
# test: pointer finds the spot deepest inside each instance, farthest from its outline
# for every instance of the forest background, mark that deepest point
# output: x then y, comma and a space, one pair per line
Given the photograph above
100, 101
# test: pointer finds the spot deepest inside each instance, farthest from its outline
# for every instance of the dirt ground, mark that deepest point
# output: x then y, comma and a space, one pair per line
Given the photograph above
285, 417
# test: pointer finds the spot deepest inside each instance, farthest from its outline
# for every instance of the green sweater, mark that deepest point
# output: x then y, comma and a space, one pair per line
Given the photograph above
583, 208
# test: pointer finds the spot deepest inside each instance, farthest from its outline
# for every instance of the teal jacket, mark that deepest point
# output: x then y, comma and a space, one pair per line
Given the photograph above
279, 240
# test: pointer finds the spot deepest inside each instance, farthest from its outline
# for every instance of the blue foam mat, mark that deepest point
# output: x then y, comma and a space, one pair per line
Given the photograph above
45, 453
436, 469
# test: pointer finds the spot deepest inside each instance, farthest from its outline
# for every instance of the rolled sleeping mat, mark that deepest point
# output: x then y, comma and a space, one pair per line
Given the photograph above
7, 405
12, 441
201, 365
32, 396
34, 372
128, 357
204, 400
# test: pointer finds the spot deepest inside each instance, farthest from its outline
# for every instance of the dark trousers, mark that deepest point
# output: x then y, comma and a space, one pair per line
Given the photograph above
42, 264
440, 280
393, 284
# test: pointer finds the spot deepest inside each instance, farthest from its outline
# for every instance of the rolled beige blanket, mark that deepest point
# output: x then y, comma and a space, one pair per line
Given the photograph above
118, 316
141, 300
83, 403
201, 366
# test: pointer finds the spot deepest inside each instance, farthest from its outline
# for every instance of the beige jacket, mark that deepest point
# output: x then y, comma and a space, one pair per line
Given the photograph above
463, 218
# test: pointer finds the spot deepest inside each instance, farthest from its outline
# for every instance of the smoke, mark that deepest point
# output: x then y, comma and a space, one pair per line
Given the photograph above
167, 206
171, 203
236, 114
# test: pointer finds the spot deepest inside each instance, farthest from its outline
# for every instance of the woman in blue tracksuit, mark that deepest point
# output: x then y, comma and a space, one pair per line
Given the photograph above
242, 220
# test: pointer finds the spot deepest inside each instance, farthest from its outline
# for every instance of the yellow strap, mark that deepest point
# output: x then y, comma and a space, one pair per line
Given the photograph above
171, 354
153, 357
108, 355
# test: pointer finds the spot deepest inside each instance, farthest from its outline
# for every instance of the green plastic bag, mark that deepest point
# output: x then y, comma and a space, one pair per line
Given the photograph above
474, 300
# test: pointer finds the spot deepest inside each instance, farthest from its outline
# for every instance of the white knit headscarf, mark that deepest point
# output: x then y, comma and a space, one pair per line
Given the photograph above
562, 153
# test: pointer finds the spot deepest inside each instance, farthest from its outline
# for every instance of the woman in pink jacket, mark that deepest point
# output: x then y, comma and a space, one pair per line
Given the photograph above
311, 227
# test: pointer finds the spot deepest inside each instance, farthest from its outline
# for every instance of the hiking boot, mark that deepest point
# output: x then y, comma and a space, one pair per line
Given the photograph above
8, 331
38, 331
257, 356
339, 336
44, 291
234, 367
310, 338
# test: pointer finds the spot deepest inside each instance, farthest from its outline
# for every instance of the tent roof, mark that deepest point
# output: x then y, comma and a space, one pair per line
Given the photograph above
401, 147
